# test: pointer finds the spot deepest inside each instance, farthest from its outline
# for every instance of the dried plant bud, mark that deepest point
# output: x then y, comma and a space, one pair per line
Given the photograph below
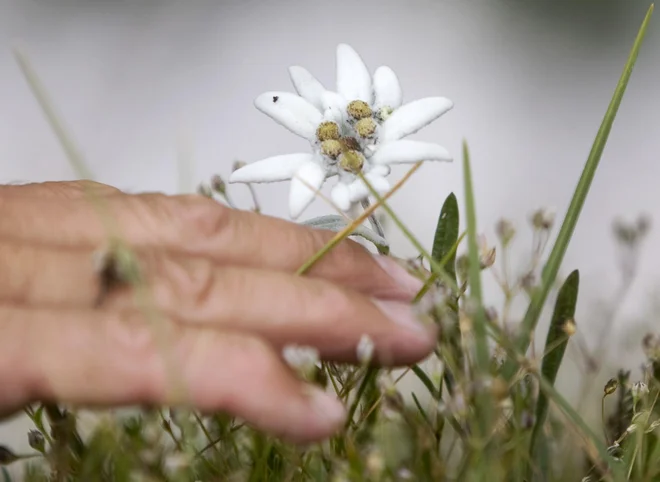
205, 190
365, 127
639, 390
384, 113
358, 109
365, 350
569, 327
486, 253
505, 231
327, 131
543, 219
611, 386
218, 185
237, 165
351, 161
651, 346
37, 441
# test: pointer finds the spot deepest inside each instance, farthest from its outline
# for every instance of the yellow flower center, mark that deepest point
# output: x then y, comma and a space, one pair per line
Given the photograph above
331, 148
365, 127
351, 161
358, 109
327, 131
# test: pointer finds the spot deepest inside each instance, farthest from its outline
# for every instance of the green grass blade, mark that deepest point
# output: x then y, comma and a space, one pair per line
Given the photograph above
483, 398
446, 235
551, 268
555, 346
474, 271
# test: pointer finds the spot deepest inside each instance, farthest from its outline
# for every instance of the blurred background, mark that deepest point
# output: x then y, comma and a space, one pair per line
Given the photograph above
147, 85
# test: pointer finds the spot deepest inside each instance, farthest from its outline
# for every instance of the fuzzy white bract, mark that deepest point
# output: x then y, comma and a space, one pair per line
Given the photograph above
356, 131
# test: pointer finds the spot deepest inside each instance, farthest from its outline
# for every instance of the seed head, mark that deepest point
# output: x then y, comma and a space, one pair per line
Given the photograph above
543, 219
365, 127
36, 440
611, 386
358, 109
351, 161
505, 231
327, 131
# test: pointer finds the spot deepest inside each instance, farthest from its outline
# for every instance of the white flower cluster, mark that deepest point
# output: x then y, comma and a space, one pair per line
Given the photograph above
359, 129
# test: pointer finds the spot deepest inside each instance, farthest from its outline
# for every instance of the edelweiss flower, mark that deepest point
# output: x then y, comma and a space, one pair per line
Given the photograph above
357, 130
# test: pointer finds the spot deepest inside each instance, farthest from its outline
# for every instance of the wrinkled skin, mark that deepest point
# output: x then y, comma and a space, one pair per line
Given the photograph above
221, 301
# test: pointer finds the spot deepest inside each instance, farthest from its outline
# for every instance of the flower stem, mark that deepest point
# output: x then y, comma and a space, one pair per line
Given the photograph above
375, 223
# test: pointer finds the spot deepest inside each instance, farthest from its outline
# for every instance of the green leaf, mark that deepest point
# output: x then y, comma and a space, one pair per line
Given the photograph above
338, 223
446, 235
551, 268
555, 346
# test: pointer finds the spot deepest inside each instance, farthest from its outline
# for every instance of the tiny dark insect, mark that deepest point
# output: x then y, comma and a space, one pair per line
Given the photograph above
275, 98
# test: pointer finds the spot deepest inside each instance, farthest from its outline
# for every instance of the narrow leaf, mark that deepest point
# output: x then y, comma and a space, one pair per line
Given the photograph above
555, 346
446, 235
550, 270
338, 223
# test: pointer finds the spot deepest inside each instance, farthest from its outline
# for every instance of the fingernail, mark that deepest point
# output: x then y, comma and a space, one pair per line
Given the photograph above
403, 314
398, 273
327, 406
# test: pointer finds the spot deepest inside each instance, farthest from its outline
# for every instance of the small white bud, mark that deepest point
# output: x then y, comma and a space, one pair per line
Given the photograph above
365, 349
301, 358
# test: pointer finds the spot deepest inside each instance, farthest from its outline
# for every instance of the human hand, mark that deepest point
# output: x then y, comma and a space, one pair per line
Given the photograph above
224, 282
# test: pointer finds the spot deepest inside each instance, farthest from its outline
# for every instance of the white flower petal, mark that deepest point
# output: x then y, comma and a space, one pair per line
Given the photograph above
333, 106
411, 117
291, 111
360, 191
406, 151
305, 183
387, 90
307, 86
353, 78
271, 169
380, 170
341, 196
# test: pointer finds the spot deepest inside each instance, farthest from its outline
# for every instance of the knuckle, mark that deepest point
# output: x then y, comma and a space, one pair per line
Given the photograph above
189, 282
202, 217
